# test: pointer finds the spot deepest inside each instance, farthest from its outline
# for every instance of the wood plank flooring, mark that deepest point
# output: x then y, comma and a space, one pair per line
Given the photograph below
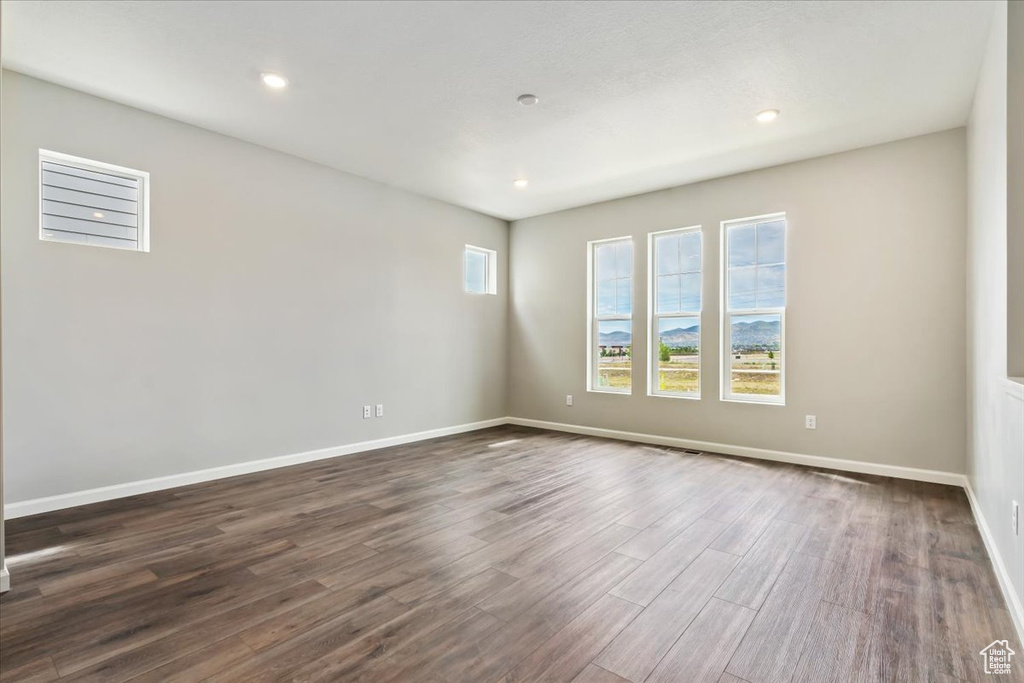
509, 554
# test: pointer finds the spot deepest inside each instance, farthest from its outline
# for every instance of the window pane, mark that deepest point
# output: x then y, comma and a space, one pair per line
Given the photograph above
624, 259
606, 297
668, 294
689, 252
666, 248
756, 359
476, 272
624, 297
604, 259
771, 242
689, 292
742, 286
614, 351
679, 355
771, 286
742, 246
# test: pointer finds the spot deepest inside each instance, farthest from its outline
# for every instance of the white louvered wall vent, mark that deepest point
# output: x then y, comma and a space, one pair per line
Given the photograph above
92, 203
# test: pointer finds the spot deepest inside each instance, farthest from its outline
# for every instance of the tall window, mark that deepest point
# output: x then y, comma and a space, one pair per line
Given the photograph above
675, 258
611, 316
754, 315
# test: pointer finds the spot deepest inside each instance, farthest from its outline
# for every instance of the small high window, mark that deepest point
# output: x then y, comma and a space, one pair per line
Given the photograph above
480, 270
92, 203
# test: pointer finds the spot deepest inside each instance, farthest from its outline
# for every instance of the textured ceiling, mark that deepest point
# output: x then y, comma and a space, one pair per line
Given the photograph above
635, 96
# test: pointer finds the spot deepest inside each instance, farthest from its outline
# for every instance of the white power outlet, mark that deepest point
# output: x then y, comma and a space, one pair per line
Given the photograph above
811, 422
380, 410
366, 412
1015, 521
568, 399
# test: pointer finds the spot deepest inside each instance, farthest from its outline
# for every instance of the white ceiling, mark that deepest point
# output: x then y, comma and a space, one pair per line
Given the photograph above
634, 96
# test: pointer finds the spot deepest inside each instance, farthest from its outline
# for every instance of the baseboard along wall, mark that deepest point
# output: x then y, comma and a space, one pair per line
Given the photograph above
59, 502
133, 488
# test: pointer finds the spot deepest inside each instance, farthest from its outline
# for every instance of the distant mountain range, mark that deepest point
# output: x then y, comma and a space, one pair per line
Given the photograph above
760, 334
682, 336
615, 338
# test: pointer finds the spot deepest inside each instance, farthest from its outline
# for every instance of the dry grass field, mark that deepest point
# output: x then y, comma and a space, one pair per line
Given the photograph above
752, 373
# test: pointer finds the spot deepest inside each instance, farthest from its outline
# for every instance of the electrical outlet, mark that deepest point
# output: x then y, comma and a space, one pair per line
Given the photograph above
811, 422
366, 412
568, 399
1015, 512
380, 410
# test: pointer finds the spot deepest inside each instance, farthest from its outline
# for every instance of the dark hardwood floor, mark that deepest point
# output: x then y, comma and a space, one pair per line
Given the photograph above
509, 555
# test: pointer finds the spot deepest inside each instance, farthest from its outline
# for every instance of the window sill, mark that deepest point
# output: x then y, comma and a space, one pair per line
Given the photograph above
748, 401
685, 398
1014, 387
609, 391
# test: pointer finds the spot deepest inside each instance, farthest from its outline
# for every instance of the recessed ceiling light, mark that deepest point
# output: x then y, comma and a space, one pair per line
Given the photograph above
275, 81
767, 115
527, 100
97, 214
520, 182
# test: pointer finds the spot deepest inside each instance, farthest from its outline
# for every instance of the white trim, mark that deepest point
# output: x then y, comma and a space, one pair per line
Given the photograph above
67, 500
40, 505
899, 472
1013, 601
1014, 387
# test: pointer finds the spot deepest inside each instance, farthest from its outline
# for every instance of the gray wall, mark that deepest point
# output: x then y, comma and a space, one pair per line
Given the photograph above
995, 418
1015, 186
875, 325
3, 546
278, 298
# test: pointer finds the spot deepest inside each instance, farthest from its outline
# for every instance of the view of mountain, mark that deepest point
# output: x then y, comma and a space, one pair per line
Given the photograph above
762, 334
682, 336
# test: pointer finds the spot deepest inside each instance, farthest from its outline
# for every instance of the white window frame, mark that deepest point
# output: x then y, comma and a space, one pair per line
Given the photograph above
593, 364
653, 317
490, 269
100, 167
726, 317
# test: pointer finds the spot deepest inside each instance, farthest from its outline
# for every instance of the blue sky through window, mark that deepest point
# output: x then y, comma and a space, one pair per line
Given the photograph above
476, 272
757, 265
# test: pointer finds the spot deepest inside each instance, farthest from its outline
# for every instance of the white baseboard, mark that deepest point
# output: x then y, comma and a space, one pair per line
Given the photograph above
48, 504
96, 495
67, 500
1013, 601
934, 476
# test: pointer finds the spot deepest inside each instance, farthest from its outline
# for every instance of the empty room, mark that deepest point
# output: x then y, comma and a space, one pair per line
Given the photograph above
498, 341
